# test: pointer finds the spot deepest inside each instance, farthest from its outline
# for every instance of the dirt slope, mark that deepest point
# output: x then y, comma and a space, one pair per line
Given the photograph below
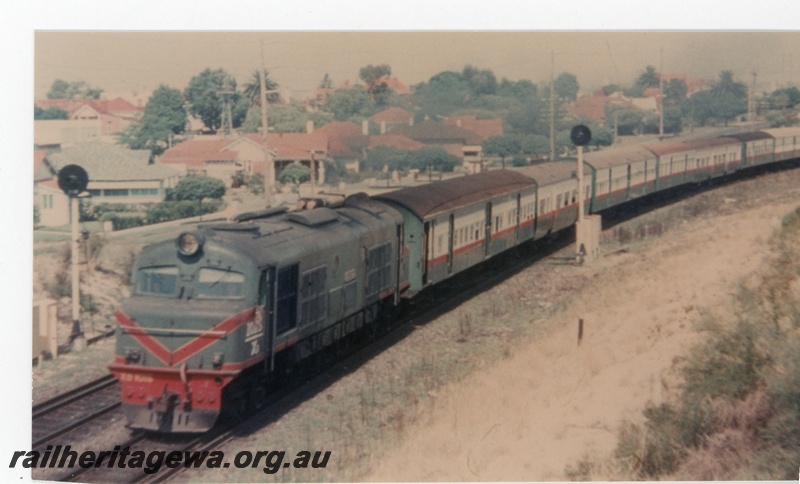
554, 402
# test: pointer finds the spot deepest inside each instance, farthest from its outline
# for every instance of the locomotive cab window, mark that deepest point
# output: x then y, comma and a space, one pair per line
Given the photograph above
219, 284
157, 281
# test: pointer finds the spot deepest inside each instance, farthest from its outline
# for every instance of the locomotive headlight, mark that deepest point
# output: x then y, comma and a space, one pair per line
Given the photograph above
189, 243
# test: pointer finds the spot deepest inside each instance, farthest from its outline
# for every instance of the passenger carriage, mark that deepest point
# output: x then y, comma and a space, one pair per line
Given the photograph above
786, 143
457, 223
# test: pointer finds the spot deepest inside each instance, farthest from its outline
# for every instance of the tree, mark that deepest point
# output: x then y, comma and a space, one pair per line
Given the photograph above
326, 82
49, 113
163, 117
726, 100
675, 92
372, 75
58, 90
610, 89
387, 156
502, 146
602, 136
481, 82
535, 144
628, 120
649, 78
566, 86
701, 107
726, 85
346, 104
434, 157
783, 98
197, 188
205, 96
443, 94
295, 173
252, 89
61, 89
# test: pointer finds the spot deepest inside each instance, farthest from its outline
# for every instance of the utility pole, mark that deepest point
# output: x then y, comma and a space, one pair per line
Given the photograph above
661, 96
751, 100
552, 107
269, 166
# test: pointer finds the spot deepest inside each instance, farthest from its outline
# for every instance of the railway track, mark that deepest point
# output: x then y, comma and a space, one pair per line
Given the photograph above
73, 409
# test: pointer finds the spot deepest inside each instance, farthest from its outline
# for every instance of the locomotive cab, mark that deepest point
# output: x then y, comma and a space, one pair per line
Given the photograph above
193, 322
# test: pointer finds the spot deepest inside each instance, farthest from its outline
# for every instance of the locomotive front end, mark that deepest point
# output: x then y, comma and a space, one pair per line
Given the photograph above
191, 326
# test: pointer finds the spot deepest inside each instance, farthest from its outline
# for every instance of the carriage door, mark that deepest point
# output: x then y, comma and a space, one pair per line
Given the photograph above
450, 243
487, 236
266, 303
519, 206
628, 192
427, 237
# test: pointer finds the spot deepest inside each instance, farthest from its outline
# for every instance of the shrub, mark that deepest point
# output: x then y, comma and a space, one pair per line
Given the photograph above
121, 222
166, 211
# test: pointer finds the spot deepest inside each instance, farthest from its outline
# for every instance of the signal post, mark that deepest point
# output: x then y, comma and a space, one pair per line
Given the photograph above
588, 227
73, 180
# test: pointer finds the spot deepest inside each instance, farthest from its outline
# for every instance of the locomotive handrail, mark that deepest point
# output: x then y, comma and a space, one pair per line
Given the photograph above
140, 329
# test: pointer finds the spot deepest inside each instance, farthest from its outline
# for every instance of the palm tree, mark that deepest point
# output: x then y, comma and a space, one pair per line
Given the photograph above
726, 85
252, 89
649, 78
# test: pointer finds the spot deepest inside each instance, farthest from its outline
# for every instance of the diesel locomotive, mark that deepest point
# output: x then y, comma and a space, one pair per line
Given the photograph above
215, 314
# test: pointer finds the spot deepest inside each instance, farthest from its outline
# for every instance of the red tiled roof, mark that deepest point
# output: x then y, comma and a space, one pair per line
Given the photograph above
432, 132
485, 128
52, 183
297, 146
594, 107
195, 152
40, 169
103, 106
338, 130
392, 115
395, 140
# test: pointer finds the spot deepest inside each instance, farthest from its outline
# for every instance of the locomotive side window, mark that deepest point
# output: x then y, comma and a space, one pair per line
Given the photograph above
287, 299
159, 281
219, 284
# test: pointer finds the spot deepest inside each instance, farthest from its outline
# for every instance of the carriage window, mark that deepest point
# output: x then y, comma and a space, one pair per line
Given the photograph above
219, 284
160, 281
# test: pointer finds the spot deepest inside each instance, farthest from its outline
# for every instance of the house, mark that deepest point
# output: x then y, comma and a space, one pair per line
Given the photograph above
465, 144
116, 174
48, 198
113, 115
225, 158
58, 133
391, 117
594, 107
221, 158
310, 149
485, 128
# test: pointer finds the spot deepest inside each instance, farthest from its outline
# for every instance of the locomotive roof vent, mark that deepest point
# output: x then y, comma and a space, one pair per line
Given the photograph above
313, 218
242, 217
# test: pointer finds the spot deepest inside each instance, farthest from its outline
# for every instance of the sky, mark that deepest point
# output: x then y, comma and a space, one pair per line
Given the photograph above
140, 61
